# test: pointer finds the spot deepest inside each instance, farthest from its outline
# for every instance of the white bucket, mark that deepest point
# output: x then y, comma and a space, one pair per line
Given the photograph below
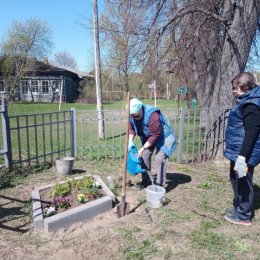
110, 180
64, 165
155, 196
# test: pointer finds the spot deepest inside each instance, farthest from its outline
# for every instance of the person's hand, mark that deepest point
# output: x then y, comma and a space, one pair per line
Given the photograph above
140, 152
130, 144
241, 167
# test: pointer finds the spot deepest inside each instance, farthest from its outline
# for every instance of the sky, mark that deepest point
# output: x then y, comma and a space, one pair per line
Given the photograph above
63, 17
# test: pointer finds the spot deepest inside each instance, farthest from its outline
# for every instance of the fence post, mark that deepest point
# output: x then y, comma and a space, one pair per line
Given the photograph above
74, 152
180, 139
6, 135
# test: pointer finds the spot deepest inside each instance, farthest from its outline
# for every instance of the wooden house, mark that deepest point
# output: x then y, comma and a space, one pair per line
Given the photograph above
48, 82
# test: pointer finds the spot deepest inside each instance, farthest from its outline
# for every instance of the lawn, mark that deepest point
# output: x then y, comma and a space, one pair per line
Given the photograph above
28, 107
89, 145
190, 225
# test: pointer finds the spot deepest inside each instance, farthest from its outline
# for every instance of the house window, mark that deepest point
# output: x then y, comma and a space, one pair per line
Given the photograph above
45, 87
35, 86
55, 84
24, 87
2, 86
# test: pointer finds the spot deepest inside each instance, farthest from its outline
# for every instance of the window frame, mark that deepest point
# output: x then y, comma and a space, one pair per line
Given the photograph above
22, 87
34, 87
44, 87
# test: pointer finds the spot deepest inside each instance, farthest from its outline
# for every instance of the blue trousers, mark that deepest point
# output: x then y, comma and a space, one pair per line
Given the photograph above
243, 201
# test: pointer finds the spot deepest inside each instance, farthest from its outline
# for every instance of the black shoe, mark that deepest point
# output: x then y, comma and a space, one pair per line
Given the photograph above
142, 185
230, 211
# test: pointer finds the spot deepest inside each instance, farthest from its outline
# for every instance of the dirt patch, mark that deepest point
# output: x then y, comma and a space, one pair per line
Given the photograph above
190, 225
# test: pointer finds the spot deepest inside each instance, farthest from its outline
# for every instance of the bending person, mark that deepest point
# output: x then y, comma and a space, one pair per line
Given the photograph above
155, 132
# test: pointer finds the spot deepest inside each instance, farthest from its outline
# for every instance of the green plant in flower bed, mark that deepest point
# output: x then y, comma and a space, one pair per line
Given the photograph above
60, 189
89, 188
81, 185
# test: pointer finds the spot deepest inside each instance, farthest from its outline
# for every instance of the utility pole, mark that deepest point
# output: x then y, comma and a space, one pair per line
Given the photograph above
101, 125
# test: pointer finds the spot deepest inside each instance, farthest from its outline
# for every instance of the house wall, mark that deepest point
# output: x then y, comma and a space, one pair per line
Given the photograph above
70, 88
42, 89
45, 88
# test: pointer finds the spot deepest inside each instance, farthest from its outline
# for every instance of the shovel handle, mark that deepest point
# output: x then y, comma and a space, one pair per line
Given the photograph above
126, 145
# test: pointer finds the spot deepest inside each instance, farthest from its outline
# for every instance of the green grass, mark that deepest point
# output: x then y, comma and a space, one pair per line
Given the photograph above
185, 168
213, 182
170, 216
242, 246
88, 142
140, 250
25, 107
205, 238
190, 226
16, 175
137, 250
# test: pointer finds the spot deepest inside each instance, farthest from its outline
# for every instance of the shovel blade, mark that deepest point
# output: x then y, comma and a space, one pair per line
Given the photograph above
123, 208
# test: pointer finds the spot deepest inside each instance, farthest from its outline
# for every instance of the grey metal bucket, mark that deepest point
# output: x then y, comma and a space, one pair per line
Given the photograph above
64, 165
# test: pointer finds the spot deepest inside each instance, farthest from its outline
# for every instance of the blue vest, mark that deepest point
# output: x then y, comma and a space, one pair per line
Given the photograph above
167, 140
235, 132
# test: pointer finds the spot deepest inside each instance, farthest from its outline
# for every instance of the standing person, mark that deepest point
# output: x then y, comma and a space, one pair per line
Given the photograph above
193, 103
243, 146
155, 131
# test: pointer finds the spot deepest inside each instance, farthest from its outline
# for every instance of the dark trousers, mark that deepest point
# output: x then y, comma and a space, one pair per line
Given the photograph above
243, 201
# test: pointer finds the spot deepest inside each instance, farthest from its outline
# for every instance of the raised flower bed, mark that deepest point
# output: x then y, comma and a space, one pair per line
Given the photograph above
59, 205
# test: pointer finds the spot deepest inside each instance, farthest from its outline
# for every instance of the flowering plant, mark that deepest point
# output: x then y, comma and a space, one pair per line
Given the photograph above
70, 193
62, 202
81, 198
49, 211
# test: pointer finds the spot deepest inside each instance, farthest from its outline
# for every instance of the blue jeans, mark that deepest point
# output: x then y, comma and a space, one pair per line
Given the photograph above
243, 189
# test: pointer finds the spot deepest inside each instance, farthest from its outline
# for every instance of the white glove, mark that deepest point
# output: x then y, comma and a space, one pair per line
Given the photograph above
241, 167
130, 144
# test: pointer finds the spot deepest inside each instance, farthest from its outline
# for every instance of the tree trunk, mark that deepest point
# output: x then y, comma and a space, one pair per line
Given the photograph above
101, 127
223, 60
235, 52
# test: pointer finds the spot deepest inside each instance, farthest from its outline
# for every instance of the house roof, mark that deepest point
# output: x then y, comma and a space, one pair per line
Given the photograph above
44, 67
80, 74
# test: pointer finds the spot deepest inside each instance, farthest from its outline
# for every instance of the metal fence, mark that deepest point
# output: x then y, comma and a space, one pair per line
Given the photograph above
199, 136
37, 138
5, 144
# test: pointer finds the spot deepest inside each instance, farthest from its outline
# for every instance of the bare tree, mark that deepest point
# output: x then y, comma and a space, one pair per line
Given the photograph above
211, 42
24, 43
204, 43
65, 59
132, 44
101, 127
119, 24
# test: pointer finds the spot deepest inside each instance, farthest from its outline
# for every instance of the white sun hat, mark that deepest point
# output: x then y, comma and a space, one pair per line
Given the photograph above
135, 105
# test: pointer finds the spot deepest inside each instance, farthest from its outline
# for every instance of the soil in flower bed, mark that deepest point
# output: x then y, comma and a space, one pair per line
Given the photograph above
71, 198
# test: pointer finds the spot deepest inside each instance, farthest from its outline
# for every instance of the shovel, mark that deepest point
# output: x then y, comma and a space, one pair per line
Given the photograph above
123, 207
